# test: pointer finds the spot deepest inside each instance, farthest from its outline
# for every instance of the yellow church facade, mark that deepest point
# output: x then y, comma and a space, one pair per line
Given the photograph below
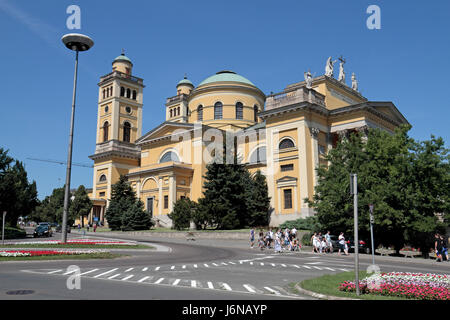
285, 135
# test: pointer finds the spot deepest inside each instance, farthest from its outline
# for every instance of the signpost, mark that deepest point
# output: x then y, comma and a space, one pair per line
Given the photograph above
371, 232
3, 228
354, 192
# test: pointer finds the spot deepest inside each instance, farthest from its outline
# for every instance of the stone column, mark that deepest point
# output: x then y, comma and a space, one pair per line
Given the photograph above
343, 134
172, 191
160, 197
315, 151
303, 165
364, 132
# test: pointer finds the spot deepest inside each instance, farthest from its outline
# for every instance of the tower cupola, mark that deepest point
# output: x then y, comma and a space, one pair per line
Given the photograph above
122, 64
185, 86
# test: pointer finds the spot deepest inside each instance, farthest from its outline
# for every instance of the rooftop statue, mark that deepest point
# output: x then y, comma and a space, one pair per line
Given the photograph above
341, 70
329, 67
308, 79
354, 82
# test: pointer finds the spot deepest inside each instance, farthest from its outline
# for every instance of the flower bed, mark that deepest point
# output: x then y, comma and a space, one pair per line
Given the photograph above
407, 285
34, 253
74, 242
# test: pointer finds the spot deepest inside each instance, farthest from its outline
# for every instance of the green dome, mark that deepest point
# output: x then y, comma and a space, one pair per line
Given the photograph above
122, 57
226, 76
185, 81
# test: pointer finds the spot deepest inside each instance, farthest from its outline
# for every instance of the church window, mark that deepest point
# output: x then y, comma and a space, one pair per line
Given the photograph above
134, 94
111, 91
122, 91
171, 113
126, 131
104, 93
107, 92
128, 109
286, 144
287, 198
178, 111
102, 178
169, 156
218, 110
200, 113
258, 156
106, 109
287, 167
166, 202
128, 93
105, 131
255, 113
239, 110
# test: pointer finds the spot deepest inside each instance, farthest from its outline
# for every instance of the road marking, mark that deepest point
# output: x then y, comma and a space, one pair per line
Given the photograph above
157, 268
210, 285
307, 267
283, 265
102, 274
55, 271
206, 265
226, 286
145, 269
224, 263
128, 277
193, 283
159, 280
250, 289
128, 270
195, 266
230, 262
273, 264
69, 272
317, 268
215, 264
296, 266
116, 275
262, 263
143, 279
183, 267
82, 274
176, 282
344, 270
271, 290
329, 268
172, 267
313, 263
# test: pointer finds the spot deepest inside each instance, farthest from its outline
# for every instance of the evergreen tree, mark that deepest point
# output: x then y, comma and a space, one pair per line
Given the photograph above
125, 211
258, 202
183, 213
81, 206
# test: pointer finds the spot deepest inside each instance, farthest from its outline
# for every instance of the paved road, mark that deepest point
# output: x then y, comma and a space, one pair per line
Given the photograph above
207, 269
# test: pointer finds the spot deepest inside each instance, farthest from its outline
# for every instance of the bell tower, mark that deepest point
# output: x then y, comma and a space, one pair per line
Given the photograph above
119, 125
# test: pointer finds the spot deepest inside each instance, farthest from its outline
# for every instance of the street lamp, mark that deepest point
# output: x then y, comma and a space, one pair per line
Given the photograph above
75, 42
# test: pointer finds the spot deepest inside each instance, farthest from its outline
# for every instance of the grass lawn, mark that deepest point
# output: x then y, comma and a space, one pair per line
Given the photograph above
101, 255
77, 246
329, 285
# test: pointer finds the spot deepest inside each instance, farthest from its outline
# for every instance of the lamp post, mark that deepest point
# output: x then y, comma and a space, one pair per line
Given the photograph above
354, 192
75, 42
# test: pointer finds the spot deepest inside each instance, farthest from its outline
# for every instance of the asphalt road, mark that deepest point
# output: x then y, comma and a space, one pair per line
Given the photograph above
181, 270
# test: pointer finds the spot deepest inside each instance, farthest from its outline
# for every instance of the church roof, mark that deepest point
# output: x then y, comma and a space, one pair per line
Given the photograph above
226, 76
122, 57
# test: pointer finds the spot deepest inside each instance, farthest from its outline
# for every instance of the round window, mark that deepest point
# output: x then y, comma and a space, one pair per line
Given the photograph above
106, 109
128, 109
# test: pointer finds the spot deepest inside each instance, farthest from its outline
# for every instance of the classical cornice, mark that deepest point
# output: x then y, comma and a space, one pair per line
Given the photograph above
159, 169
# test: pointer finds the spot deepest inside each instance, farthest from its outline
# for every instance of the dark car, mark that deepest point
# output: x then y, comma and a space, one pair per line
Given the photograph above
43, 230
363, 246
59, 228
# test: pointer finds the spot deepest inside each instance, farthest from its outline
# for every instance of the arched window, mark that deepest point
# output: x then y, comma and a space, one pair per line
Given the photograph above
239, 110
200, 113
178, 111
107, 92
102, 178
255, 112
169, 156
111, 91
259, 155
105, 131
171, 113
128, 93
126, 131
134, 94
122, 91
285, 144
104, 94
218, 110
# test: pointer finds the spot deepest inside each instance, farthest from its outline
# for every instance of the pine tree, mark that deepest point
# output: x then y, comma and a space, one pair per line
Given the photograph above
135, 218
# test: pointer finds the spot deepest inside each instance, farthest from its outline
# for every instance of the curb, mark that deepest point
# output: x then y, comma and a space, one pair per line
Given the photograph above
319, 295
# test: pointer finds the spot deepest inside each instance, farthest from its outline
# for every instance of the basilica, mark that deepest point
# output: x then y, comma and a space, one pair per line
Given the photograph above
285, 135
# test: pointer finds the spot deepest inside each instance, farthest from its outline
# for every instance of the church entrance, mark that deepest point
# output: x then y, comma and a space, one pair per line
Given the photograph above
150, 206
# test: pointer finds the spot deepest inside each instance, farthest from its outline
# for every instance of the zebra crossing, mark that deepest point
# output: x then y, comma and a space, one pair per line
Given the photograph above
126, 275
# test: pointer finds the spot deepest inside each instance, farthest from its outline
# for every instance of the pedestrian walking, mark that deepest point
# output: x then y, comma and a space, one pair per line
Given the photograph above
438, 247
95, 227
252, 237
261, 242
444, 251
342, 244
277, 245
329, 243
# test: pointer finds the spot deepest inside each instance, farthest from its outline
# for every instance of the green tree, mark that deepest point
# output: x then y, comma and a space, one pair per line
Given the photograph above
183, 213
18, 197
125, 211
51, 208
258, 201
80, 206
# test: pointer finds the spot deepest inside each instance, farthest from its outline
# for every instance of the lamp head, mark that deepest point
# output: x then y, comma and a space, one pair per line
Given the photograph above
77, 42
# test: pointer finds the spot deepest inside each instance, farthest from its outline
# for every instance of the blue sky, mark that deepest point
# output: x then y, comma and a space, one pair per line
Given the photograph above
271, 43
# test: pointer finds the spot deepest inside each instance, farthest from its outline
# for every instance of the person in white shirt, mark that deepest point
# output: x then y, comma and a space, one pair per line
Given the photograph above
342, 246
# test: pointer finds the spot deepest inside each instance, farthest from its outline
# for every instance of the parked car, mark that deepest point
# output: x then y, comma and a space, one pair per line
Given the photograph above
43, 230
59, 228
363, 246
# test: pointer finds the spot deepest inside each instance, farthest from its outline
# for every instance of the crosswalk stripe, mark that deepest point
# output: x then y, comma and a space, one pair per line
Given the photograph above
283, 265
128, 277
344, 270
193, 283
157, 268
273, 264
230, 262
246, 286
215, 264
116, 275
317, 268
296, 266
183, 267
224, 264
226, 286
271, 290
159, 280
145, 269
306, 267
143, 279
210, 285
69, 272
128, 270
206, 265
102, 274
172, 267
54, 271
176, 282
195, 266
251, 263
329, 268
262, 263
82, 274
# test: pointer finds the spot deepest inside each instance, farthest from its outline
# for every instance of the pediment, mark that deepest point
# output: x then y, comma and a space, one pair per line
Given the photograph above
165, 129
287, 179
390, 110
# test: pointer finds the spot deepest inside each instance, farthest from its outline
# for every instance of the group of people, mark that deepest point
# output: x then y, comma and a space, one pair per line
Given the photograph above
323, 244
440, 247
279, 241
